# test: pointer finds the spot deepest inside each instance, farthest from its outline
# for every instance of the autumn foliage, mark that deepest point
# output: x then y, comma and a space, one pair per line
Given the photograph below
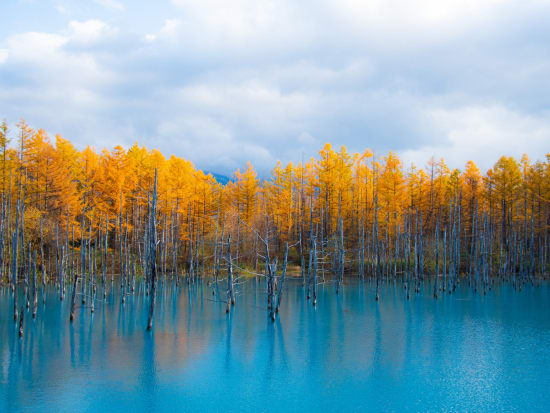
67, 191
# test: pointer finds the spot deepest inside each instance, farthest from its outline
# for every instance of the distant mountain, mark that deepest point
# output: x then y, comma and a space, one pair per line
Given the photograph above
222, 179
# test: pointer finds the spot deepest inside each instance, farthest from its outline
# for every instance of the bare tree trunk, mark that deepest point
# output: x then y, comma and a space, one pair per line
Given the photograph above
61, 258
92, 277
152, 258
42, 257
436, 275
280, 292
340, 256
314, 272
377, 265
76, 276
21, 321
103, 240
230, 291
14, 274
34, 292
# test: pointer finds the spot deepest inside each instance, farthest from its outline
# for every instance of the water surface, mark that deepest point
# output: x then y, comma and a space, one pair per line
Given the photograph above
463, 352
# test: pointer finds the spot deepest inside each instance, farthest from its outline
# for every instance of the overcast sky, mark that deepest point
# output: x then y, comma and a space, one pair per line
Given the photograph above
221, 82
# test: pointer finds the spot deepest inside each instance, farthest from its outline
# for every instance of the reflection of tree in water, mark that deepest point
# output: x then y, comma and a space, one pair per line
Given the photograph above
190, 295
229, 328
175, 295
282, 348
380, 343
340, 323
270, 338
274, 365
148, 375
71, 343
378, 351
88, 351
121, 326
16, 348
82, 337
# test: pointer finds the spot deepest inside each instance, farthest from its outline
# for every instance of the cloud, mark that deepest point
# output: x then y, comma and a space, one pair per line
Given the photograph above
61, 9
111, 4
483, 134
170, 29
223, 82
53, 87
42, 62
241, 27
90, 31
4, 53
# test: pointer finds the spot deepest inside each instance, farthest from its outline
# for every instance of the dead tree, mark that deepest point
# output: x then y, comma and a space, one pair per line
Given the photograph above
152, 254
436, 275
34, 293
283, 274
230, 286
76, 276
21, 321
314, 272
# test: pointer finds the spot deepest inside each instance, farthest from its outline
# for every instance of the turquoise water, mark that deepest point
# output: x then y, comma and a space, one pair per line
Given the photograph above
463, 352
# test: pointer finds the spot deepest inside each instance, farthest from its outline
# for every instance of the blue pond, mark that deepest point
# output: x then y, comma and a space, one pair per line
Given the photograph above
463, 352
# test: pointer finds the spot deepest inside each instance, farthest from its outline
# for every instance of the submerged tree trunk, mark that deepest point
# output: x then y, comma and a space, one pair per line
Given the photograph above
34, 292
21, 321
314, 273
283, 274
230, 291
152, 258
436, 275
76, 276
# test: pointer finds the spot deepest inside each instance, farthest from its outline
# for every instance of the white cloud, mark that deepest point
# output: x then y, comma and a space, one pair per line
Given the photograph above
170, 29
61, 9
33, 45
111, 4
43, 59
483, 134
53, 87
252, 105
420, 13
225, 82
243, 25
90, 31
382, 24
211, 143
4, 53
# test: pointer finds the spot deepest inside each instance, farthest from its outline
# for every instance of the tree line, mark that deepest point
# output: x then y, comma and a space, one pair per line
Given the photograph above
77, 218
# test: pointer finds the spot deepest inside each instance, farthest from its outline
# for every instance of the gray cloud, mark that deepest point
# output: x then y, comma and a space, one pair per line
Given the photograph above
222, 83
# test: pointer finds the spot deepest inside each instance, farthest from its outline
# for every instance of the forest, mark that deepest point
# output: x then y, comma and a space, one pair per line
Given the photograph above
80, 219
